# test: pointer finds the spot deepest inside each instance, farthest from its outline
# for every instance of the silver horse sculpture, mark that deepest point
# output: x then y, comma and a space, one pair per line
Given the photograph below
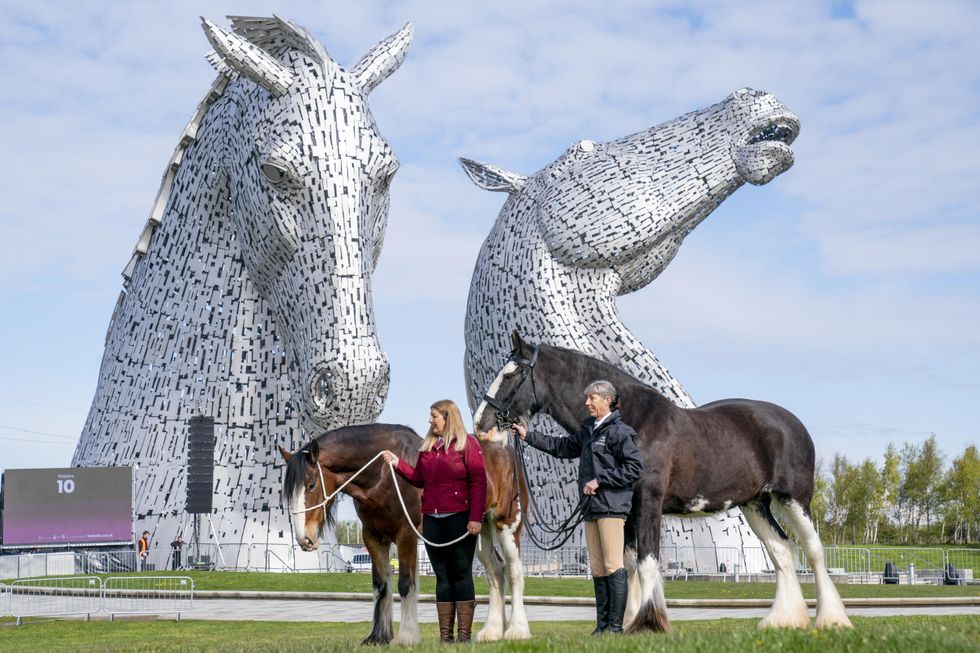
604, 220
248, 298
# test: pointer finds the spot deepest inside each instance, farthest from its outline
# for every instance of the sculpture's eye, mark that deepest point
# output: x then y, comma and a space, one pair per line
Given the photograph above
275, 174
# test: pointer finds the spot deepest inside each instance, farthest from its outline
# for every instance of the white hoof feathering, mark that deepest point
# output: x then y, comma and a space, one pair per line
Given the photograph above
517, 632
489, 634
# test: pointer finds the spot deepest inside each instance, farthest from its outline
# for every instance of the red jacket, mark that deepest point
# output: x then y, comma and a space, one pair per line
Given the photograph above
452, 481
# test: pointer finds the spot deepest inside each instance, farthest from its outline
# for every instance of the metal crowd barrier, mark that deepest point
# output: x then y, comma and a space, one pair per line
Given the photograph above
87, 595
147, 595
858, 564
55, 597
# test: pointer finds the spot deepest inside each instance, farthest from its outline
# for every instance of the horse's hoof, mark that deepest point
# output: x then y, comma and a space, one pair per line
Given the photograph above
786, 620
514, 634
488, 635
833, 621
374, 641
406, 640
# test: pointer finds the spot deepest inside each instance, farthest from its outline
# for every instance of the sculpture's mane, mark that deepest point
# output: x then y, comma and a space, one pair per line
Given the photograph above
274, 35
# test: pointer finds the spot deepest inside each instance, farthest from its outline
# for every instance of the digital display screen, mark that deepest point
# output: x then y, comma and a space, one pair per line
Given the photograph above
75, 505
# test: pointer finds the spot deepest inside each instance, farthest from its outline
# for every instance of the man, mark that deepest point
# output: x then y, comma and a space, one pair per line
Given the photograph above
143, 549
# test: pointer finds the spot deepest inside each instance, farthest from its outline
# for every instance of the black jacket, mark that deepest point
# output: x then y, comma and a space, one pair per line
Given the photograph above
609, 455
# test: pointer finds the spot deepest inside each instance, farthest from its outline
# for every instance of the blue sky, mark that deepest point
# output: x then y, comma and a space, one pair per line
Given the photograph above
845, 290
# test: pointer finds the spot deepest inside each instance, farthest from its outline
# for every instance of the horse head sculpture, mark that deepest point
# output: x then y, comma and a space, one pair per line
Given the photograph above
248, 296
308, 174
603, 220
627, 205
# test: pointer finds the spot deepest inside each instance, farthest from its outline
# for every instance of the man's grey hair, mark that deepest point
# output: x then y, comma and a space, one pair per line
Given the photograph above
601, 388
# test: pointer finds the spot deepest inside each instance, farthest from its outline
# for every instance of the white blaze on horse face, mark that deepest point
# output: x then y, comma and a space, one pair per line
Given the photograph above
492, 391
297, 510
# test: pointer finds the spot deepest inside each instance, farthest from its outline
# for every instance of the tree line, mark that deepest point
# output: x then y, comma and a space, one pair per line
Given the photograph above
911, 497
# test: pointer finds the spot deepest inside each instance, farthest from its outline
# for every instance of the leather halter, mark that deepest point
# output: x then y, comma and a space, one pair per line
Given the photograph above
526, 365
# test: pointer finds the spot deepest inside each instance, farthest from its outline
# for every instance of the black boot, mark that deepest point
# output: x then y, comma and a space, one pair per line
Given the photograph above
617, 600
601, 604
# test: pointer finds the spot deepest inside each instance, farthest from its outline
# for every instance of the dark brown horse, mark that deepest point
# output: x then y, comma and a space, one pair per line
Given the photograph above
324, 464
327, 462
734, 452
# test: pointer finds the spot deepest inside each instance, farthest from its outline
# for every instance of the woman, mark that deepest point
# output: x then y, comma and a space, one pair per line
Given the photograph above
451, 474
609, 464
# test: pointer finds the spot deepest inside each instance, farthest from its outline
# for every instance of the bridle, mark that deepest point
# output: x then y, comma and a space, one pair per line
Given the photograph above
563, 532
504, 419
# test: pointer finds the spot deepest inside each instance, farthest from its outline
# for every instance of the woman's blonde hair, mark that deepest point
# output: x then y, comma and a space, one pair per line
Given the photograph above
455, 433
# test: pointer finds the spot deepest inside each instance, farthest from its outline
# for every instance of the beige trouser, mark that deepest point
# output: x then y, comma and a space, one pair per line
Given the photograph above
604, 537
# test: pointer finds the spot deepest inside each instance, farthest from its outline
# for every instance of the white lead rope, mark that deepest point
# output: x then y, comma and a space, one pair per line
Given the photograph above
398, 491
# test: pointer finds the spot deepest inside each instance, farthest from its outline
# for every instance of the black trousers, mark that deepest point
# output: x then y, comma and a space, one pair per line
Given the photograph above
453, 564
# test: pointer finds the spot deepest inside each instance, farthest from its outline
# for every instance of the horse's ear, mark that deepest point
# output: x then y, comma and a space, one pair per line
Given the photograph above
246, 59
491, 177
285, 454
383, 59
314, 450
515, 340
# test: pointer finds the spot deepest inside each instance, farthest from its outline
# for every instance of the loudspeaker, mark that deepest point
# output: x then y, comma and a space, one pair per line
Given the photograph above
200, 464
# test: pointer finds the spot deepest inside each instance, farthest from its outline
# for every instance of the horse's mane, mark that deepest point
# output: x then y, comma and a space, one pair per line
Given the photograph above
274, 35
596, 369
364, 435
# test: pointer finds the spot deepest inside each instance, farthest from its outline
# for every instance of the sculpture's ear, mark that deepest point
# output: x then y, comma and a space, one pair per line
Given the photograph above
490, 177
383, 59
247, 59
285, 454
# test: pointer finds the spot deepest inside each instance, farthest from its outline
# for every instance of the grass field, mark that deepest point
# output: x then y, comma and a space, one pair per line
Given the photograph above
679, 589
870, 635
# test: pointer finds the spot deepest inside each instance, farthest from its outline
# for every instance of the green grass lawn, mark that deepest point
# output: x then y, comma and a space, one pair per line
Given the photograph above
870, 635
679, 589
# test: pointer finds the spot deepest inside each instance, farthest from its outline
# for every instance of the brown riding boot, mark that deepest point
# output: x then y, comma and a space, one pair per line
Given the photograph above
465, 611
446, 611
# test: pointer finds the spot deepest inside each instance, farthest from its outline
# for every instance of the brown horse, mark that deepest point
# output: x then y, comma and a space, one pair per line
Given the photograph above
327, 462
324, 464
500, 546
735, 452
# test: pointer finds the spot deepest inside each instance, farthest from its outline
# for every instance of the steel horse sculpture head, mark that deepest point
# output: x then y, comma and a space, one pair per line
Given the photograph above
248, 295
308, 173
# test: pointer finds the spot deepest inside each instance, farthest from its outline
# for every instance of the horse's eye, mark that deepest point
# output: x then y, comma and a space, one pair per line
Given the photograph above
275, 174
310, 486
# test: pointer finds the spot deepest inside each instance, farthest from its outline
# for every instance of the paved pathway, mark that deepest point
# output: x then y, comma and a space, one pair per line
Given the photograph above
298, 610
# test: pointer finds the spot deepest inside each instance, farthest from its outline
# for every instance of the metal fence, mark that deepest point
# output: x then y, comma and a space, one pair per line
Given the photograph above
856, 564
147, 595
87, 595
55, 597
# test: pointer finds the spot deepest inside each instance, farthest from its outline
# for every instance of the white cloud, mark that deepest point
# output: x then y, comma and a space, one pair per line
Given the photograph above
867, 247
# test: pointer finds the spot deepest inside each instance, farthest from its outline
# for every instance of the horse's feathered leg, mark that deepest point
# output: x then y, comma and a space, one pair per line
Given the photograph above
509, 537
408, 627
493, 628
381, 627
634, 597
788, 608
830, 609
651, 615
